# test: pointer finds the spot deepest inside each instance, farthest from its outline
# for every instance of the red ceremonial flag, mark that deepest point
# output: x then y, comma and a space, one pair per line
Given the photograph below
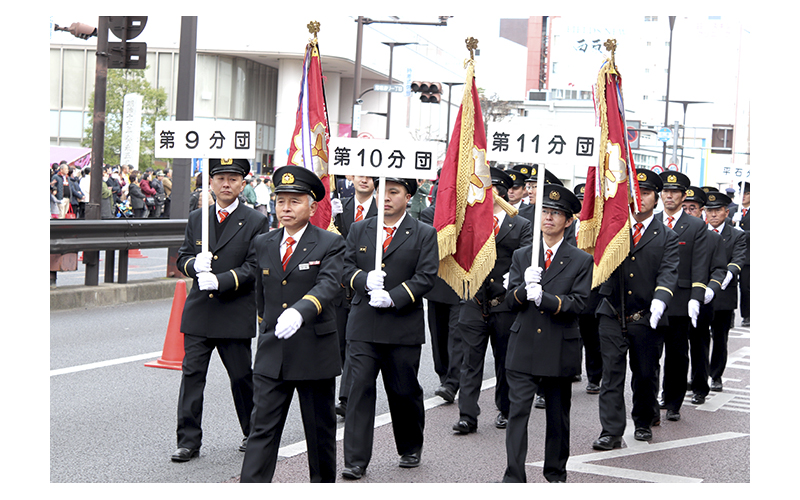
309, 147
464, 200
611, 188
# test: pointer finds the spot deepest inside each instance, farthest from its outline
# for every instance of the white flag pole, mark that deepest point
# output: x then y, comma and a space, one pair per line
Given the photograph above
204, 208
379, 223
537, 217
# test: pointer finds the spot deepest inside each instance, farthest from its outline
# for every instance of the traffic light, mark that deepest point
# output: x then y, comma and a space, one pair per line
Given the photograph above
430, 91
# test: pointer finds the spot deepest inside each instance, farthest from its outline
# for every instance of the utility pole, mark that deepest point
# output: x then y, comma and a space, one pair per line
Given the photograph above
666, 104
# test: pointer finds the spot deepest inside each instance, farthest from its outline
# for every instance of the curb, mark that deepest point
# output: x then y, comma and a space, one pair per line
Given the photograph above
106, 294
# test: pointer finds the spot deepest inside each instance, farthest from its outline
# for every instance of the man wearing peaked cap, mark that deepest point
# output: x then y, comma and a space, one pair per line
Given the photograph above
725, 298
544, 347
633, 301
516, 193
299, 274
485, 318
742, 220
692, 278
528, 211
220, 310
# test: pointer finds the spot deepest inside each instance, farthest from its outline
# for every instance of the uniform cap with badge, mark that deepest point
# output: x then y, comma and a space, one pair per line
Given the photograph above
674, 180
410, 184
549, 177
695, 194
649, 180
294, 179
715, 199
561, 198
228, 165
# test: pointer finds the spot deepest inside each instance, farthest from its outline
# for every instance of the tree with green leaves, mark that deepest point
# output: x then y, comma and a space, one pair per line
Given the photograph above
119, 83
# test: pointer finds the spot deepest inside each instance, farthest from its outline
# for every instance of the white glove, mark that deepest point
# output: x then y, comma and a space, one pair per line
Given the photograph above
375, 280
728, 278
657, 308
380, 299
207, 281
288, 323
534, 291
533, 275
737, 217
202, 262
336, 206
505, 280
694, 311
709, 296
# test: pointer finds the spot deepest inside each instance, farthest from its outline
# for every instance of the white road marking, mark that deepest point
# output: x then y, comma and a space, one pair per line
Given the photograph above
102, 364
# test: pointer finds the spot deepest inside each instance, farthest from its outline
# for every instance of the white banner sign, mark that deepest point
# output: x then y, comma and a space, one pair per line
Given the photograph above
131, 130
382, 158
520, 142
205, 139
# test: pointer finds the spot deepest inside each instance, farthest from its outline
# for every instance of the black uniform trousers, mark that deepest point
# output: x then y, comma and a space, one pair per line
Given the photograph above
588, 324
446, 342
720, 326
676, 360
237, 358
342, 312
643, 345
557, 392
744, 291
399, 366
699, 343
274, 397
476, 333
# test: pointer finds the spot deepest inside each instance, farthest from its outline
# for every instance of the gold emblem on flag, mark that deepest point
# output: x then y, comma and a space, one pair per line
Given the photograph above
554, 195
226, 161
287, 178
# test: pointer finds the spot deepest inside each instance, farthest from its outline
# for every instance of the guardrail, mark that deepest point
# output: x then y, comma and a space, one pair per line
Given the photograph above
92, 236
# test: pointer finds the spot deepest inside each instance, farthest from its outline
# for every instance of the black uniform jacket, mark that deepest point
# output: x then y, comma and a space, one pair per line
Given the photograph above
309, 285
411, 263
441, 291
230, 311
344, 220
545, 340
693, 263
650, 271
734, 241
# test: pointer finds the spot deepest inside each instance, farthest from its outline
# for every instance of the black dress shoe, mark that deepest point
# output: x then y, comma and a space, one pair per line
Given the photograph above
605, 443
698, 399
716, 385
539, 401
410, 460
184, 455
341, 408
464, 427
642, 434
673, 415
354, 472
746, 322
243, 446
592, 388
501, 422
446, 393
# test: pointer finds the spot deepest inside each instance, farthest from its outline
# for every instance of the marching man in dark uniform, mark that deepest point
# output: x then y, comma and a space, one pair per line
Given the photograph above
646, 281
299, 275
220, 310
741, 219
487, 318
354, 209
735, 244
544, 351
386, 326
684, 308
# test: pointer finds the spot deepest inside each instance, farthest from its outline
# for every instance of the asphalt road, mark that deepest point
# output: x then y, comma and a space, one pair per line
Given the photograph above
112, 420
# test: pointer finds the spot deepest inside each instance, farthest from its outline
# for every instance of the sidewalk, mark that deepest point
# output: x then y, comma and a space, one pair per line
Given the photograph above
105, 294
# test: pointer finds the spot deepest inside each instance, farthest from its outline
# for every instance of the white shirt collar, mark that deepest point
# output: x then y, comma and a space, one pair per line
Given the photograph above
367, 204
645, 222
296, 236
677, 216
554, 248
230, 208
719, 229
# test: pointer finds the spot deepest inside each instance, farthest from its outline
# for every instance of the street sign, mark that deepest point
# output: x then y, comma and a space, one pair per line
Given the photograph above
385, 87
672, 166
665, 134
633, 133
205, 139
657, 169
405, 159
525, 141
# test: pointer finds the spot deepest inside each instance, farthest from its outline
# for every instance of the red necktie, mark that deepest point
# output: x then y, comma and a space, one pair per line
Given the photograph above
389, 233
496, 226
716, 231
547, 257
289, 242
222, 216
360, 213
744, 211
669, 221
637, 233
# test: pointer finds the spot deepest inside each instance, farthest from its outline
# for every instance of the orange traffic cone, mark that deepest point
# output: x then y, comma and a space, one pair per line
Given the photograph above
136, 254
172, 354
